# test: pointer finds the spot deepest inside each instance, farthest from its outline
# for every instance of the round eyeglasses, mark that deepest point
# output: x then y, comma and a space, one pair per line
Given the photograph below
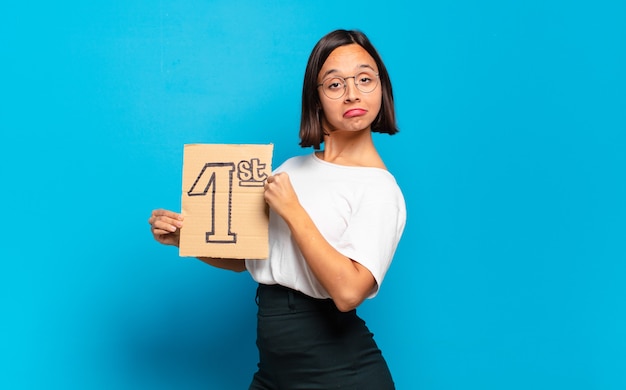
335, 87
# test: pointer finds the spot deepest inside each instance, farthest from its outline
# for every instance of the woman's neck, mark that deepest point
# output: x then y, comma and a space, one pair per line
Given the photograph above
351, 149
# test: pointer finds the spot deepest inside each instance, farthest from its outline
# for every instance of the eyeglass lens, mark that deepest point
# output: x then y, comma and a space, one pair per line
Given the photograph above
335, 87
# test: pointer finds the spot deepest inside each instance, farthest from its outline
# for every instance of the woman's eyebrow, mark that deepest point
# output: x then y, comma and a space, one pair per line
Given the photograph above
330, 71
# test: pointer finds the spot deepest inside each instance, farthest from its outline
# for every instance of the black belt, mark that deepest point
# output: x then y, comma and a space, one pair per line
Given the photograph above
277, 299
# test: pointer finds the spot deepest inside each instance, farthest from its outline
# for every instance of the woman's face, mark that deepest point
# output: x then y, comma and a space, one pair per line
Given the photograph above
355, 110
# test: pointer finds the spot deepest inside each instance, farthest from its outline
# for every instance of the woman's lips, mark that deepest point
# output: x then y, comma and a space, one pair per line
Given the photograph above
354, 112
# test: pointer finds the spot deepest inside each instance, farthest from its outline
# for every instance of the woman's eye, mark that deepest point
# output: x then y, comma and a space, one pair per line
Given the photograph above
365, 79
336, 84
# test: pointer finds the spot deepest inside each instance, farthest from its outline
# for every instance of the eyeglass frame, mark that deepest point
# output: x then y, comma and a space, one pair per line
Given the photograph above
345, 84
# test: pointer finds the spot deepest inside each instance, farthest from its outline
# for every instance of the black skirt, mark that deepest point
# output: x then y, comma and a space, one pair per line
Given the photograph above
306, 343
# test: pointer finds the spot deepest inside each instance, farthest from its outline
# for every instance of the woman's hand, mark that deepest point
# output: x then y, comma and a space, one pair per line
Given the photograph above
280, 195
165, 226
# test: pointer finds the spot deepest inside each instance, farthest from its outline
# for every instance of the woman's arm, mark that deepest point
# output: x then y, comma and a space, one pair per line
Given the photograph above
237, 265
347, 281
165, 227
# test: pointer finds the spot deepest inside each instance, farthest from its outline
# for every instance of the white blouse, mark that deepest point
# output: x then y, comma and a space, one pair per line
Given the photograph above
360, 211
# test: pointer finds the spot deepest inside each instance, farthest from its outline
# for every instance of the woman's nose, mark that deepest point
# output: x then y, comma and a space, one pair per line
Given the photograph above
352, 92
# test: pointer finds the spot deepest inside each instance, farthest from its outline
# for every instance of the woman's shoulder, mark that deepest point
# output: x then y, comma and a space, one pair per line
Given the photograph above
293, 163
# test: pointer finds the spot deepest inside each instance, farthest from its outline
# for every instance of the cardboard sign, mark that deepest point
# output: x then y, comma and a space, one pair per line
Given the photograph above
222, 201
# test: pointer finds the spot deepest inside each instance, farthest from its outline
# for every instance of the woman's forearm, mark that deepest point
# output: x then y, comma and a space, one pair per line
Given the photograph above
237, 265
347, 281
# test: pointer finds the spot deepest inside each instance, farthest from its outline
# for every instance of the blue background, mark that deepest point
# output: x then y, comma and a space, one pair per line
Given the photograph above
512, 157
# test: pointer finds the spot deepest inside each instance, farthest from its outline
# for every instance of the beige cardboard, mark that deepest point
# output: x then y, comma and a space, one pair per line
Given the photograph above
222, 201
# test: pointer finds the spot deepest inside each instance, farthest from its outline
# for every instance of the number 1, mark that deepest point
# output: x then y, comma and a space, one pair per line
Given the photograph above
217, 177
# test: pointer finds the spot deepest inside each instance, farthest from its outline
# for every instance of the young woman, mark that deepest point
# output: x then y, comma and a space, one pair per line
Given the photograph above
336, 217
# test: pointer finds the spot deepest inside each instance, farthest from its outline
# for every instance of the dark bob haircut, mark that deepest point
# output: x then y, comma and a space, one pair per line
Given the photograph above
311, 131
